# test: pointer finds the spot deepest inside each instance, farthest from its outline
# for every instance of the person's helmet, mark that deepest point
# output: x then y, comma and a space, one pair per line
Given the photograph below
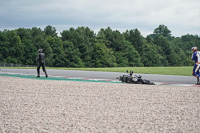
40, 50
194, 49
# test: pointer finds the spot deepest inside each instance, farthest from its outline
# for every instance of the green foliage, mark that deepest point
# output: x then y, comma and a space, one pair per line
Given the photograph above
72, 55
50, 31
162, 30
136, 39
58, 56
103, 56
151, 56
81, 47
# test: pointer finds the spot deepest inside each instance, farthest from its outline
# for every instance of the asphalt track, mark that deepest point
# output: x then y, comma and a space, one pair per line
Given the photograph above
168, 79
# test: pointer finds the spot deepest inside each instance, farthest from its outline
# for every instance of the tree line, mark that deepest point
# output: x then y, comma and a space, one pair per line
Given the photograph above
82, 47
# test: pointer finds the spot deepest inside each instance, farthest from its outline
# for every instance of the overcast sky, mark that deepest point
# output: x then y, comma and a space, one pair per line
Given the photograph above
180, 16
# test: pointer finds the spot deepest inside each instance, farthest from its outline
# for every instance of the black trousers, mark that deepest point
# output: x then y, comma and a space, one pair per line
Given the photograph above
41, 64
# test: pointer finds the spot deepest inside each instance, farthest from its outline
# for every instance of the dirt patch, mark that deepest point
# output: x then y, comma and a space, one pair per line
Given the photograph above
28, 105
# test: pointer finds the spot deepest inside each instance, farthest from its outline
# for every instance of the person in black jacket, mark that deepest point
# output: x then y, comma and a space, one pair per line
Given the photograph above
41, 62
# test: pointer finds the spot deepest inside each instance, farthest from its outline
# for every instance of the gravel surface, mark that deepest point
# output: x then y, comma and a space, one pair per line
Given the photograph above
31, 105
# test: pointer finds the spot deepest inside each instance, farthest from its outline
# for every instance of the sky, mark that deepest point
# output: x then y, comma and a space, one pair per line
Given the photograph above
180, 16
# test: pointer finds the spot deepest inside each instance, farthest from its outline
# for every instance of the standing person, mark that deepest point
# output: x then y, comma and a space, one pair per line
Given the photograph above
196, 58
41, 62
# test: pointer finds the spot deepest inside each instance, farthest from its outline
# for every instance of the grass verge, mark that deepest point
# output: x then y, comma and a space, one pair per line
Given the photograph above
184, 71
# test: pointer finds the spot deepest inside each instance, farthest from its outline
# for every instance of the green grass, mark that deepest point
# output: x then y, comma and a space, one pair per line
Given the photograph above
185, 71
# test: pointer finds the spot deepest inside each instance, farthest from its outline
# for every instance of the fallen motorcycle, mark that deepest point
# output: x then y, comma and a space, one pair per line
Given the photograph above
134, 79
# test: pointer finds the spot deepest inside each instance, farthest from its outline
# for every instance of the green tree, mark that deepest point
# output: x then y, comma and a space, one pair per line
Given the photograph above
102, 56
30, 51
151, 56
72, 55
81, 47
162, 30
136, 39
50, 31
82, 38
13, 47
40, 42
167, 51
4, 46
124, 51
131, 55
58, 59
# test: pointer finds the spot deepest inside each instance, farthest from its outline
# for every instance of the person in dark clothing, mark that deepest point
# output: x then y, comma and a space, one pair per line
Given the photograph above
41, 62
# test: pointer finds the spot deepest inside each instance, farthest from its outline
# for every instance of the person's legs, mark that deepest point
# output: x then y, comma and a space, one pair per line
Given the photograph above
44, 70
196, 72
38, 70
